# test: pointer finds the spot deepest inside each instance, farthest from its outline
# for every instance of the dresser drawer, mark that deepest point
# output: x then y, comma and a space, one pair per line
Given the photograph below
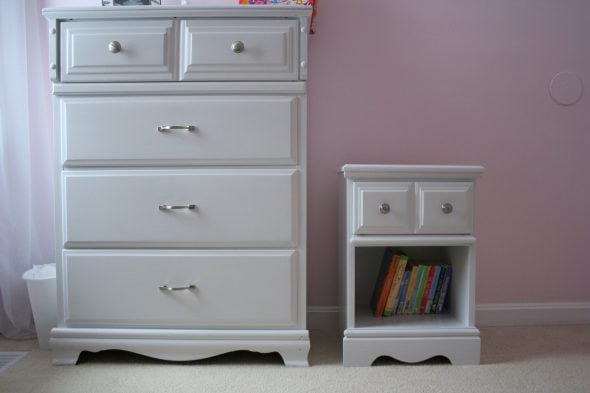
383, 208
408, 207
216, 208
113, 289
248, 49
163, 130
127, 50
445, 207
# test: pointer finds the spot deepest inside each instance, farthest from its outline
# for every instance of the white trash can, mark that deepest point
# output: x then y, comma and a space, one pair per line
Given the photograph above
42, 289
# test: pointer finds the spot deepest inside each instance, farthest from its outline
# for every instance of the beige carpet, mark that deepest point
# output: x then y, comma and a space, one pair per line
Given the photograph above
517, 359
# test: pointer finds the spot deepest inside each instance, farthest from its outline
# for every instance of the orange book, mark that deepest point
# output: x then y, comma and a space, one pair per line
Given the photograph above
386, 286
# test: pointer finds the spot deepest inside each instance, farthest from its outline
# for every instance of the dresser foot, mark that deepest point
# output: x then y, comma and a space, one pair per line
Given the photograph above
63, 357
297, 356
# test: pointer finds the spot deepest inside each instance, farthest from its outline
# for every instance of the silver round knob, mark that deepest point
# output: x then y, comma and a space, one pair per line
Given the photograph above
384, 208
446, 208
237, 47
115, 47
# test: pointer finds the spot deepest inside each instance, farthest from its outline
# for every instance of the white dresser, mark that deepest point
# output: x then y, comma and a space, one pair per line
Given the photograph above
426, 212
181, 180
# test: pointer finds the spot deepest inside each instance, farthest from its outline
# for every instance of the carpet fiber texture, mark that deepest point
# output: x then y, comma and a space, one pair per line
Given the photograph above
513, 359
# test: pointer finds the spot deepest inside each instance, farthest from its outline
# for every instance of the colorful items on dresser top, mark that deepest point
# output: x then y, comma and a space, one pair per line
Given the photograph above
286, 2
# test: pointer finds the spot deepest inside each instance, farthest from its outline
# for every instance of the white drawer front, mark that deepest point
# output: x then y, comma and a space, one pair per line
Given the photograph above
239, 49
233, 208
224, 130
445, 207
248, 289
90, 52
383, 208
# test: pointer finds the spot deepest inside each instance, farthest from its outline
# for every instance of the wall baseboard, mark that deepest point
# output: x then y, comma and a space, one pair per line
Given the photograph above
492, 314
523, 314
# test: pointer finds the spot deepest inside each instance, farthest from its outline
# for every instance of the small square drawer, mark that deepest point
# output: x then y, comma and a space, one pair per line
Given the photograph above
111, 51
383, 208
444, 208
250, 49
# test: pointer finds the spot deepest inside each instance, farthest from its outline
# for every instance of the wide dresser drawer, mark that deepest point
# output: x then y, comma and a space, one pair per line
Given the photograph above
169, 130
383, 207
180, 208
180, 289
101, 51
249, 49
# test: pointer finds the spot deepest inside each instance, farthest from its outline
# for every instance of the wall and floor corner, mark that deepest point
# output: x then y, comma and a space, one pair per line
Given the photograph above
461, 82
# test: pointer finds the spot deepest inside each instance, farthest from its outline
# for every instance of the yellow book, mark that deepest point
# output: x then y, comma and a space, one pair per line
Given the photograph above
411, 285
394, 292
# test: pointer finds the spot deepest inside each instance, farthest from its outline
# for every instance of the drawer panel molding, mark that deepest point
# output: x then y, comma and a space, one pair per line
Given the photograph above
233, 208
245, 289
140, 50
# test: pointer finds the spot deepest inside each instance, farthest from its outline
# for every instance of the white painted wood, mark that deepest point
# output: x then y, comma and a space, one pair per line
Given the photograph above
233, 208
371, 197
362, 352
147, 51
431, 196
249, 175
526, 314
409, 338
233, 289
399, 172
193, 11
178, 344
270, 49
179, 88
228, 130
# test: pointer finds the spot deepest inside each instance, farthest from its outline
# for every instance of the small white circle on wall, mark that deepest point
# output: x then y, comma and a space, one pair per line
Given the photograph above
566, 88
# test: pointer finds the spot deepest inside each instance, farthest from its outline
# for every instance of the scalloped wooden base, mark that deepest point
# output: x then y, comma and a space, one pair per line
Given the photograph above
179, 345
362, 352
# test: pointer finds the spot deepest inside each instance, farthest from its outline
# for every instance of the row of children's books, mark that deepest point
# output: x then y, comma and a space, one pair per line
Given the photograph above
410, 287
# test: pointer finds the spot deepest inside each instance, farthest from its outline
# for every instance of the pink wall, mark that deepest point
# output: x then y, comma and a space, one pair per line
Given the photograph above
461, 82
458, 82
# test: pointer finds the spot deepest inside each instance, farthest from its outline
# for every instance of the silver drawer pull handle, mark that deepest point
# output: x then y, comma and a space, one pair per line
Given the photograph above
447, 208
172, 128
167, 288
237, 47
115, 47
175, 207
384, 208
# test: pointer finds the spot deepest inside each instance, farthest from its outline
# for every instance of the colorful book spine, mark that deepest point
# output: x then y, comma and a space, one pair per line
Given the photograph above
432, 291
439, 284
387, 284
426, 291
445, 289
394, 292
410, 290
402, 292
383, 269
415, 293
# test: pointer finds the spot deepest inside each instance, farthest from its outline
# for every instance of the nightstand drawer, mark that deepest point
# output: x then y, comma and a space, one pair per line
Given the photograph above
180, 289
250, 49
445, 208
179, 130
383, 208
180, 208
105, 51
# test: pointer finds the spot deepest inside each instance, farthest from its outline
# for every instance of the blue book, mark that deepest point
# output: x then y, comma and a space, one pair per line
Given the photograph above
445, 289
385, 262
432, 292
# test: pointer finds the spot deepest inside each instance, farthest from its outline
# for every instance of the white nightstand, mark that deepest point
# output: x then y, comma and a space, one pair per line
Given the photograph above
426, 212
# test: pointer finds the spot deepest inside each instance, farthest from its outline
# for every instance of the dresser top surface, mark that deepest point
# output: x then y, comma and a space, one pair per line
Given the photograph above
209, 11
